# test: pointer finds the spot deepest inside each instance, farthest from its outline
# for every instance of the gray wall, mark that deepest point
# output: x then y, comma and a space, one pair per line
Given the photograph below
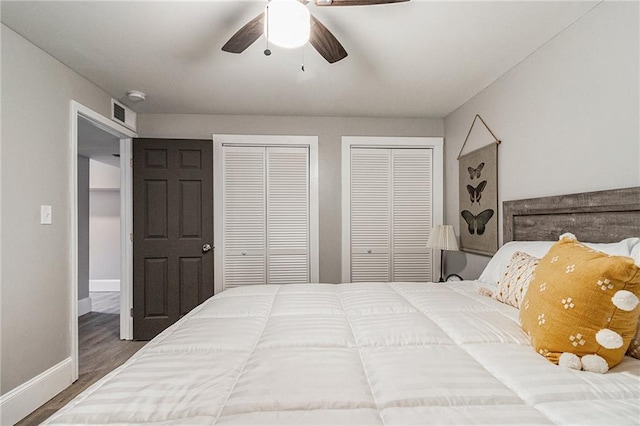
568, 117
36, 95
329, 131
105, 234
104, 222
103, 175
83, 227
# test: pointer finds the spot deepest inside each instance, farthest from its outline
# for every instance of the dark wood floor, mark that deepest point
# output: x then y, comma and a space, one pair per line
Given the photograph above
101, 351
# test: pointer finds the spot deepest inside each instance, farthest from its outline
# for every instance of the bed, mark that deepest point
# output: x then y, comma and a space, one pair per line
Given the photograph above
366, 353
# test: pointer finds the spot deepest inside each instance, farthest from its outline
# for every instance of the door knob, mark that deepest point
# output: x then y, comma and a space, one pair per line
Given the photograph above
369, 251
206, 248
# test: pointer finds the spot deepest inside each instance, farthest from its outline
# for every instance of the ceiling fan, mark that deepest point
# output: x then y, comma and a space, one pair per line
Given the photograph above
319, 36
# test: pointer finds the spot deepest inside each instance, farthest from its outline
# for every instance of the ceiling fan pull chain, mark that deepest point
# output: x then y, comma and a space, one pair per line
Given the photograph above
267, 51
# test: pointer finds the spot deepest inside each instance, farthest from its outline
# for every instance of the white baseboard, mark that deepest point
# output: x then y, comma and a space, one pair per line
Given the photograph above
21, 401
104, 285
84, 306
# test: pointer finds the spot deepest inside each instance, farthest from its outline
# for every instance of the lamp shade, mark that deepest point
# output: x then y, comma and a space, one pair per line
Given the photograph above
443, 238
288, 23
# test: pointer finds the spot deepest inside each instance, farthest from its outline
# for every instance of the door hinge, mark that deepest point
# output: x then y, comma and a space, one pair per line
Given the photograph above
131, 162
131, 236
131, 312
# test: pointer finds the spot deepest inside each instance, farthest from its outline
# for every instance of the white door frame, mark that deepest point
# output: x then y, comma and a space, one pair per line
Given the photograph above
265, 140
434, 143
126, 222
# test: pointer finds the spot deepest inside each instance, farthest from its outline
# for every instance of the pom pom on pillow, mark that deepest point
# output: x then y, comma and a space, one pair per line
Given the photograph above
570, 360
582, 302
594, 364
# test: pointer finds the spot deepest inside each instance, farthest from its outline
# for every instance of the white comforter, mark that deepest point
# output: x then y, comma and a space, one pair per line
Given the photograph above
394, 354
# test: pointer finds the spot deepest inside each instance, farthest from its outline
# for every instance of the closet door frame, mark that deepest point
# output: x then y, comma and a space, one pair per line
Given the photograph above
436, 144
219, 141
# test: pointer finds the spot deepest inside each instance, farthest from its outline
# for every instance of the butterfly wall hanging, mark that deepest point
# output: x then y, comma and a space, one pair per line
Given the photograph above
478, 182
475, 193
475, 172
477, 224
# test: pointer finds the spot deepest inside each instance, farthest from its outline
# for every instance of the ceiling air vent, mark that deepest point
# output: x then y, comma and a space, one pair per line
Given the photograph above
123, 115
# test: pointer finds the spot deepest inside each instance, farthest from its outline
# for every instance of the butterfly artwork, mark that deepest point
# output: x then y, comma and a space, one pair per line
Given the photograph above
475, 172
478, 200
477, 223
476, 193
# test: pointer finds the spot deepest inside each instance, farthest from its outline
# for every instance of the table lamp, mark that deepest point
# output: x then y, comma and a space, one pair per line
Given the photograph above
442, 238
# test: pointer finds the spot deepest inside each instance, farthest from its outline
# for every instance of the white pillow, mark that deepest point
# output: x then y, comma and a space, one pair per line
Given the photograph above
498, 263
635, 252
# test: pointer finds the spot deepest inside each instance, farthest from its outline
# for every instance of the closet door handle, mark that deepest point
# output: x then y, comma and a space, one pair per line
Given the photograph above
244, 253
206, 248
369, 251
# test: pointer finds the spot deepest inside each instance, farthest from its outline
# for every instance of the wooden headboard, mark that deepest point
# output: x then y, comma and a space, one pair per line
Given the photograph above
602, 216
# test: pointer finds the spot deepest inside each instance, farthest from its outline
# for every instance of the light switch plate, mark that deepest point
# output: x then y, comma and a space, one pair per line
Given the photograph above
45, 215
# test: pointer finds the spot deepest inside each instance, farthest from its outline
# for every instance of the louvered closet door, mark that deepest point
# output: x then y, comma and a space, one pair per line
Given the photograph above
411, 215
244, 217
265, 215
288, 215
370, 214
391, 209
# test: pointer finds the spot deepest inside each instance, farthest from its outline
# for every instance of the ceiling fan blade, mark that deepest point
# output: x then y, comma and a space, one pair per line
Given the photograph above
325, 43
246, 35
354, 2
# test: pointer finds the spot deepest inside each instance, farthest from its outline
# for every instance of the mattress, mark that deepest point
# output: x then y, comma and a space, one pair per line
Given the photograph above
366, 354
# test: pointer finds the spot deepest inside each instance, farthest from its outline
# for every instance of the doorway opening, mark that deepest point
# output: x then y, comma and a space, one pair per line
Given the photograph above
101, 216
98, 220
98, 242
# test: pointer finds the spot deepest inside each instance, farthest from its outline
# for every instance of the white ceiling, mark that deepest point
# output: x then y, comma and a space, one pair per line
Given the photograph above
416, 59
97, 144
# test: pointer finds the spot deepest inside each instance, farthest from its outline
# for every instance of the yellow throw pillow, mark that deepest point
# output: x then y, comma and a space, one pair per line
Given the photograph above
513, 284
581, 309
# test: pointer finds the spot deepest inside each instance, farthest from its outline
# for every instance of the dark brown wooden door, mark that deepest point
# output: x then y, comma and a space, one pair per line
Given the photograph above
172, 226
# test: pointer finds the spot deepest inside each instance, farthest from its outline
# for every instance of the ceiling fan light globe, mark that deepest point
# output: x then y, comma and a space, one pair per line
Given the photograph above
288, 23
